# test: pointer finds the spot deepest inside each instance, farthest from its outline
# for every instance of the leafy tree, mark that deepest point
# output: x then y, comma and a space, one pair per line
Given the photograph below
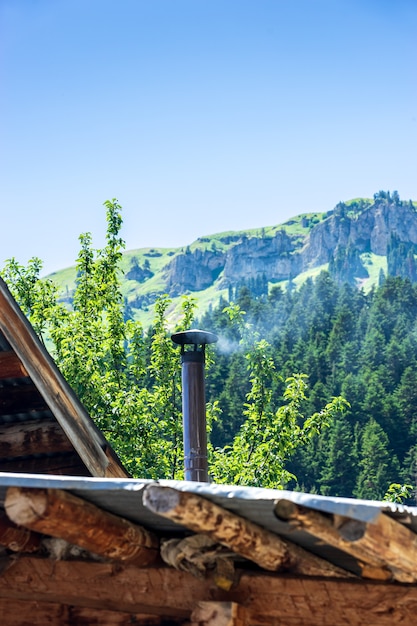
36, 297
263, 446
398, 493
129, 383
269, 436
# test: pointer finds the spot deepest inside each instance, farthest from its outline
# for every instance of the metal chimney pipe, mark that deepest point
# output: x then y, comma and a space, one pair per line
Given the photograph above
194, 401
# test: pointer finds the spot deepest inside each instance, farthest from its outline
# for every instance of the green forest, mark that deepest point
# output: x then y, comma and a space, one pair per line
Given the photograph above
311, 388
360, 346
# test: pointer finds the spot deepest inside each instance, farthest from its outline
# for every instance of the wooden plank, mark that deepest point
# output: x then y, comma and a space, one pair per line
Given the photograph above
269, 599
16, 538
11, 366
240, 535
21, 399
60, 514
65, 464
37, 437
384, 549
65, 406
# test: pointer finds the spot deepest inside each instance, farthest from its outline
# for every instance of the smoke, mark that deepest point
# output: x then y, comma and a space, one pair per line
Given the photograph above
227, 346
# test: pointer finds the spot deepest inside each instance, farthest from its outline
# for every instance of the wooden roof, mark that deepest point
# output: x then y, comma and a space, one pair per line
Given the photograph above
202, 555
44, 428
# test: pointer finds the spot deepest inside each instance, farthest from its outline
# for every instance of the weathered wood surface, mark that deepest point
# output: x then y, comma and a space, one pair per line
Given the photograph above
240, 535
60, 514
62, 401
11, 366
385, 549
37, 437
64, 464
35, 613
269, 599
17, 538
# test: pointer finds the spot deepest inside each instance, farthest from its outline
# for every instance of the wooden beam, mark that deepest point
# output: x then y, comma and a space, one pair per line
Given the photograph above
61, 399
36, 437
322, 527
16, 538
18, 612
11, 366
60, 514
240, 535
384, 549
269, 599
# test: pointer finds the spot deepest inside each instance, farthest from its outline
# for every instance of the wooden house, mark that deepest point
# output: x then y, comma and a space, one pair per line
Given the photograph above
82, 543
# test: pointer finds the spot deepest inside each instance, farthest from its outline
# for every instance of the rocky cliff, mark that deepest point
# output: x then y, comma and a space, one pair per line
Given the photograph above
346, 232
367, 231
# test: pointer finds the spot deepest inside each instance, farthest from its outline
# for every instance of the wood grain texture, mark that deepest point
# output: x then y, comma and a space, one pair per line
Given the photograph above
11, 366
384, 548
268, 599
240, 535
35, 613
16, 538
37, 437
60, 514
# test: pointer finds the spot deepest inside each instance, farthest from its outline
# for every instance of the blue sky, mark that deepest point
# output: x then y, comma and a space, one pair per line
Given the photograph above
199, 115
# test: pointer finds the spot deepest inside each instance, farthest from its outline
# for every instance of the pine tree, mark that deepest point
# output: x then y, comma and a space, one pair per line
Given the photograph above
378, 466
338, 471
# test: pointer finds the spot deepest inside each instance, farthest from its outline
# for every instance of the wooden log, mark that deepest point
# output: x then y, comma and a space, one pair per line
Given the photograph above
240, 535
36, 437
17, 538
384, 549
11, 366
60, 514
218, 614
269, 599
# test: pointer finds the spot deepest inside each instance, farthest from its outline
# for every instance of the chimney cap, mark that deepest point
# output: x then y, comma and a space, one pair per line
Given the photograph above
194, 337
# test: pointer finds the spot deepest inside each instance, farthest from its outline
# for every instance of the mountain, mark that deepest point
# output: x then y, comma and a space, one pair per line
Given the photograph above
356, 242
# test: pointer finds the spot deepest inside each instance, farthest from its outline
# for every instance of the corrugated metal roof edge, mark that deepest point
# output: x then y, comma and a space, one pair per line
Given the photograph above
363, 510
